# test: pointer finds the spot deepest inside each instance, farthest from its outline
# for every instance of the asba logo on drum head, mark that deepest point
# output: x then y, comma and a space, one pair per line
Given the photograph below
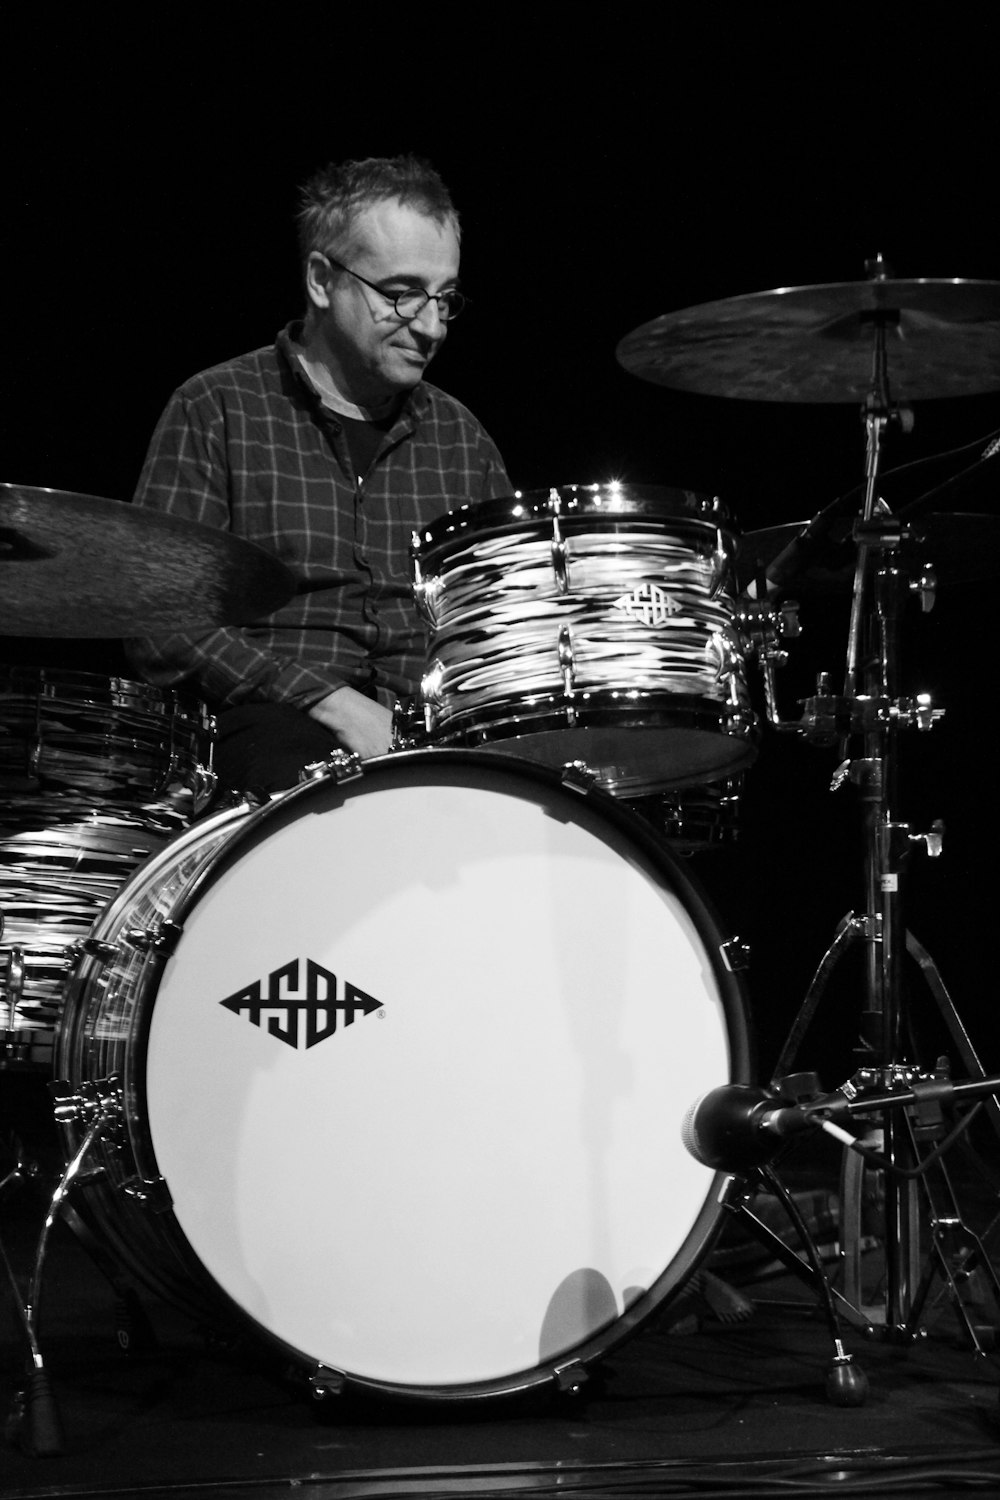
319, 1008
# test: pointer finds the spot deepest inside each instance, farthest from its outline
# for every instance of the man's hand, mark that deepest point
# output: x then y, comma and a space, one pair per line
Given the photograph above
360, 724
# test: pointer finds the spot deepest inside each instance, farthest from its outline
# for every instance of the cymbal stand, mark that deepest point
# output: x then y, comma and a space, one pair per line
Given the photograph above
871, 709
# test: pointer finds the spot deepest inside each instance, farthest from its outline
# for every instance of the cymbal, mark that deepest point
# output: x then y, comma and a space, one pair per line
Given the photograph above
961, 548
815, 343
77, 565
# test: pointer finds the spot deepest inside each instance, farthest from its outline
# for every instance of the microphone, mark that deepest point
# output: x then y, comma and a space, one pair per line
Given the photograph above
737, 1126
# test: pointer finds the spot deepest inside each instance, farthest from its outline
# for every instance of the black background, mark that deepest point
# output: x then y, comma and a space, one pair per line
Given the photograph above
611, 162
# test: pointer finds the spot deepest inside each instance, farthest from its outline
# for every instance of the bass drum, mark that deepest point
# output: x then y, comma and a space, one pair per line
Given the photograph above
403, 1065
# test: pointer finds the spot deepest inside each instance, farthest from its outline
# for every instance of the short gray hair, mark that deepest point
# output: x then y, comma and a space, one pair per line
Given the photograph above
332, 198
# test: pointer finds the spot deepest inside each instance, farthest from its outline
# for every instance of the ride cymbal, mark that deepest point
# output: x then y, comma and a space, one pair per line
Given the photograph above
77, 565
815, 343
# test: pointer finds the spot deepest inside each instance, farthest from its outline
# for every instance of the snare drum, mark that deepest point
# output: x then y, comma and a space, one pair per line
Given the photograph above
404, 1061
588, 623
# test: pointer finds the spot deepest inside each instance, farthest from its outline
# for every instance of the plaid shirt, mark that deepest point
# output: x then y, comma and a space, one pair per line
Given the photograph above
249, 447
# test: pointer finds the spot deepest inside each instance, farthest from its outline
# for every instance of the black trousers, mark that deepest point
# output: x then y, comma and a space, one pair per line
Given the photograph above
262, 747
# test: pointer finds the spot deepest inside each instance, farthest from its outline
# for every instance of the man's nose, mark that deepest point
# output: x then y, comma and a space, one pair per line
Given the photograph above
429, 320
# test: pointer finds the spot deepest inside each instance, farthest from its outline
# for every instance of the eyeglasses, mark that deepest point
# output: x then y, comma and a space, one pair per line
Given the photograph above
410, 302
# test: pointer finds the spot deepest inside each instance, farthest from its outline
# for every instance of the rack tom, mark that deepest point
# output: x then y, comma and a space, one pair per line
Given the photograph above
588, 623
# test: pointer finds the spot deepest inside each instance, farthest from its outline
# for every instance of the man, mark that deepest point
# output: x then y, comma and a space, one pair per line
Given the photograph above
328, 449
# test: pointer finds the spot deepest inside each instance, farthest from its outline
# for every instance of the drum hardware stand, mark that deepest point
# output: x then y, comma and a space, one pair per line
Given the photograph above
885, 1074
739, 1129
846, 1382
35, 1421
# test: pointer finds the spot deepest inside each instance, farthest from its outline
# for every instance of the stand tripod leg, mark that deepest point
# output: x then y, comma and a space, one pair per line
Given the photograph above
847, 932
945, 1005
846, 1384
958, 1256
952, 1250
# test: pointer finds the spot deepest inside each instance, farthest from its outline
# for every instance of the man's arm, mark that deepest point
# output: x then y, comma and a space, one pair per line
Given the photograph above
186, 473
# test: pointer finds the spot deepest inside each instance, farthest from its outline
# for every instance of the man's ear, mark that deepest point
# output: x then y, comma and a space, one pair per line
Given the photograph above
319, 276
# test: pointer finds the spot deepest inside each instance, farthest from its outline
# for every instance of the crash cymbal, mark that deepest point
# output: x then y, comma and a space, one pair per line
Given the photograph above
77, 565
815, 343
961, 548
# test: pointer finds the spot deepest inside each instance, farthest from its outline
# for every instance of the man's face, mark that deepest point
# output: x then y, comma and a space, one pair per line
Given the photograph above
371, 352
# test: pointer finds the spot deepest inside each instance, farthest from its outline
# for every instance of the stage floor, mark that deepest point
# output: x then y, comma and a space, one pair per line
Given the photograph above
692, 1404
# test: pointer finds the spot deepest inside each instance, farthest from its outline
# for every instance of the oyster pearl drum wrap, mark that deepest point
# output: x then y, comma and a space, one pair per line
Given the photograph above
589, 623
